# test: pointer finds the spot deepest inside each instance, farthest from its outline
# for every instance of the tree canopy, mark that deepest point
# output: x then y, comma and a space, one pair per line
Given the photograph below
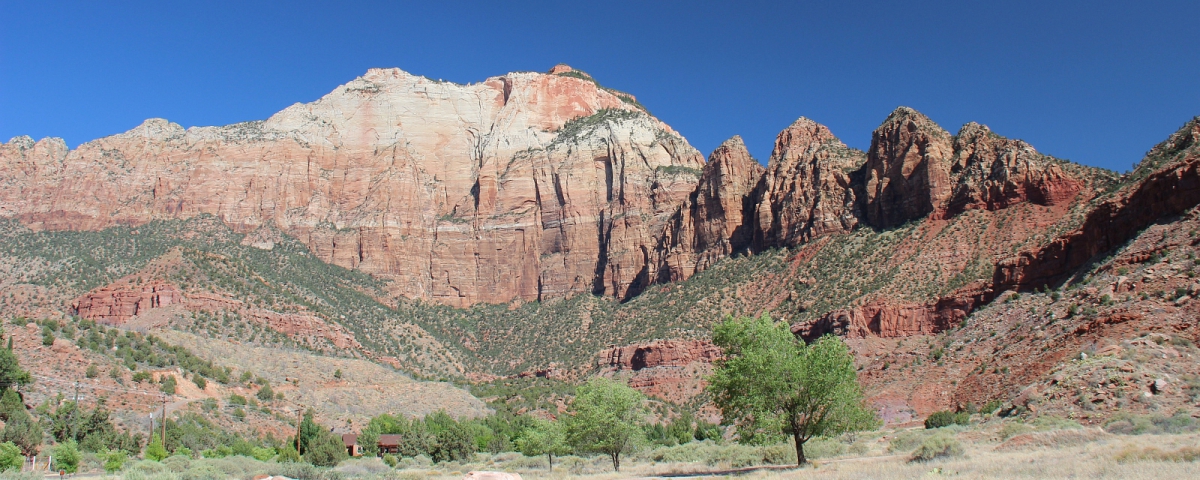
544, 438
607, 418
770, 384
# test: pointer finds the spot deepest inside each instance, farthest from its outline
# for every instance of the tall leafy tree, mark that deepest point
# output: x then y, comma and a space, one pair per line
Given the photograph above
325, 450
309, 430
544, 438
770, 383
608, 418
11, 373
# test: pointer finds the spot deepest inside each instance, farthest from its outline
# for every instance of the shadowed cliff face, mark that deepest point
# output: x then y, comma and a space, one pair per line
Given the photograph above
714, 220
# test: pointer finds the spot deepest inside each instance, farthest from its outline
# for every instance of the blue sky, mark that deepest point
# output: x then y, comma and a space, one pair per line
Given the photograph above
1095, 82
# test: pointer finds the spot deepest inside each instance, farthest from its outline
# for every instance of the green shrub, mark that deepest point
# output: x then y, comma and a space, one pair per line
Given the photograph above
114, 461
10, 457
265, 393
938, 445
262, 454
155, 450
199, 381
991, 407
907, 440
168, 384
390, 460
1126, 424
946, 418
67, 456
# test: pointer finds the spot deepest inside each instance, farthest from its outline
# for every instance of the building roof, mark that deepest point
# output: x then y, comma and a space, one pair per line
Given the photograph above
389, 440
350, 439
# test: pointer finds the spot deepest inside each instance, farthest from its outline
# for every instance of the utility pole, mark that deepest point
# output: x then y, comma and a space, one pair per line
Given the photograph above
74, 427
299, 413
163, 421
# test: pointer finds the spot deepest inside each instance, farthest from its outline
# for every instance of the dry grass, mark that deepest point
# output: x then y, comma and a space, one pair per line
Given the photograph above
1087, 454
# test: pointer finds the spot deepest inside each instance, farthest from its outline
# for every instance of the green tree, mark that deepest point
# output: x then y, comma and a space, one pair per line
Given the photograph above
325, 450
11, 404
454, 442
10, 457
92, 371
607, 418
309, 431
11, 372
770, 383
24, 432
155, 450
544, 438
67, 456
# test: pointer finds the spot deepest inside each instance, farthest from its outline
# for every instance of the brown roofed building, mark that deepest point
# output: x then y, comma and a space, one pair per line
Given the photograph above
350, 440
389, 443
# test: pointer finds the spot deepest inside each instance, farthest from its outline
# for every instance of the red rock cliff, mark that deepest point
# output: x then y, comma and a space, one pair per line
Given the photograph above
806, 191
522, 186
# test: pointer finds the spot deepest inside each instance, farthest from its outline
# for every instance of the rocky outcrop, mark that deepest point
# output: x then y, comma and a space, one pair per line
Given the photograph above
116, 304
994, 172
713, 221
807, 190
673, 370
520, 187
661, 353
1172, 190
889, 319
907, 174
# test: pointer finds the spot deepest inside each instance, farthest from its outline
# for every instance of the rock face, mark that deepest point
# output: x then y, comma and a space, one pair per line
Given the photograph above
673, 370
663, 353
523, 186
1171, 190
807, 190
116, 304
713, 221
907, 175
994, 172
888, 319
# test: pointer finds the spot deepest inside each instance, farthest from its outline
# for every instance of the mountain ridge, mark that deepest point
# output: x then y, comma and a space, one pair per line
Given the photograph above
584, 230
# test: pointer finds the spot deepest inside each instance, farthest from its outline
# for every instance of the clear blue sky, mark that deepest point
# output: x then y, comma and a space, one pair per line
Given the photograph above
1095, 82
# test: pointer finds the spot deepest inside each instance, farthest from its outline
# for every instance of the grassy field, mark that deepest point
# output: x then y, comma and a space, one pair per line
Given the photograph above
989, 448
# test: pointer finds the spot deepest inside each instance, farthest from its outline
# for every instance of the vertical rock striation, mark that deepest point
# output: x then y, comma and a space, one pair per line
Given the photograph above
713, 221
807, 190
523, 186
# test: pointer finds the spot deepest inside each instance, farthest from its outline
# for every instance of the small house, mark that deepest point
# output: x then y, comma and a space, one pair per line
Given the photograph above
350, 440
389, 443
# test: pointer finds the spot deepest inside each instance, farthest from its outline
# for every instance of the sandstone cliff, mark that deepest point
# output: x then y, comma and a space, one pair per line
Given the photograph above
807, 190
713, 221
519, 187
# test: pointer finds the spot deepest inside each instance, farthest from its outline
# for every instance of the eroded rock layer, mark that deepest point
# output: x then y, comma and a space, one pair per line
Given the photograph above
519, 187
